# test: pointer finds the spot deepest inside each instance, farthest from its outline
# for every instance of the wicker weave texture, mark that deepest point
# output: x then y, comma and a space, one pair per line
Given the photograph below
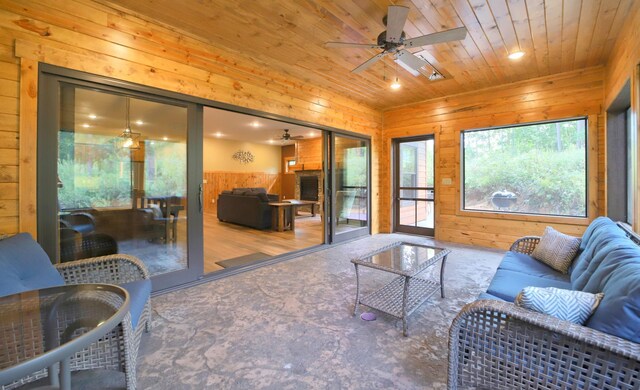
525, 245
497, 345
117, 350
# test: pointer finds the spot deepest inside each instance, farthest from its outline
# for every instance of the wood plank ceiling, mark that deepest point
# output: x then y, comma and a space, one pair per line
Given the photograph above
287, 36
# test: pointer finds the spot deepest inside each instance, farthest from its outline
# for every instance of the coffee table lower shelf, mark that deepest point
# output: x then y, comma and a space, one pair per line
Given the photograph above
389, 299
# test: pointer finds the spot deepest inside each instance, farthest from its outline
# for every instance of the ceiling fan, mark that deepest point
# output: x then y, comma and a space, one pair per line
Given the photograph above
393, 41
287, 137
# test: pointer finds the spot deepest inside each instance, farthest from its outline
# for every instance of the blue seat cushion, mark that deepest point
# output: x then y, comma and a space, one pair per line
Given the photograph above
139, 292
25, 266
514, 261
485, 295
506, 284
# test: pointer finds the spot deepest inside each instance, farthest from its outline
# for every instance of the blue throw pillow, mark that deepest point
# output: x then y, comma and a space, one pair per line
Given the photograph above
568, 305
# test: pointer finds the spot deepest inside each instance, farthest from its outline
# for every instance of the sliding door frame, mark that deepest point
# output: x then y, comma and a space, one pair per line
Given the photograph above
130, 87
50, 81
332, 216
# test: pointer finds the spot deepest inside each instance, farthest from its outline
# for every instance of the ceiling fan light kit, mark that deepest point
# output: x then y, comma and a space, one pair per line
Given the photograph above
395, 85
393, 41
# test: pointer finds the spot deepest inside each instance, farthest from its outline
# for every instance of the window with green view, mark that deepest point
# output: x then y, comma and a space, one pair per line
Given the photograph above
538, 168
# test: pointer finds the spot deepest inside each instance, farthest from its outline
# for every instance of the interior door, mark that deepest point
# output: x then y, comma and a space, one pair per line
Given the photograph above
414, 187
119, 172
349, 191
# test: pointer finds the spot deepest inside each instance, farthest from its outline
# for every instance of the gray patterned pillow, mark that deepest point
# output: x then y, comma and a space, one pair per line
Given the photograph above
556, 249
568, 305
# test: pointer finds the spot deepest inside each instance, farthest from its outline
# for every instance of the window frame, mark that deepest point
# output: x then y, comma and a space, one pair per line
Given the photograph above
591, 185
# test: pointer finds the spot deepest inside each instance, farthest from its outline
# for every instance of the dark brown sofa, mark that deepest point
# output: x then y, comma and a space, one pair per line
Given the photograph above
247, 207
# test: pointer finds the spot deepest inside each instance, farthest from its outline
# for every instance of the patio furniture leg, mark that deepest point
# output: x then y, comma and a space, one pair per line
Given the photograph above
355, 307
405, 299
444, 260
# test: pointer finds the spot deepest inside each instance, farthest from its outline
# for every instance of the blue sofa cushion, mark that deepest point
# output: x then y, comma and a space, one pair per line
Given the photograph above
515, 261
25, 266
485, 295
594, 246
618, 277
506, 284
139, 292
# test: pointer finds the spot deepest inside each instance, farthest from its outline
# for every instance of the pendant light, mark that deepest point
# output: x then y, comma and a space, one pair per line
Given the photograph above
129, 139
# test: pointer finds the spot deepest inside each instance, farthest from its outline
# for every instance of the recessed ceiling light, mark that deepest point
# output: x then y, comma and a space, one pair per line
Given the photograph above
165, 138
217, 134
270, 141
86, 125
312, 134
255, 124
139, 122
396, 84
92, 116
516, 55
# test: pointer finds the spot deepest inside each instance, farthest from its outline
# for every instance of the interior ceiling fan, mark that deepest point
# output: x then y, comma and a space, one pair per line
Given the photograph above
393, 41
286, 136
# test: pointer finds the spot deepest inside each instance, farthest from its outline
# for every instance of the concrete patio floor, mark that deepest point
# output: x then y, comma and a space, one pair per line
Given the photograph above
290, 326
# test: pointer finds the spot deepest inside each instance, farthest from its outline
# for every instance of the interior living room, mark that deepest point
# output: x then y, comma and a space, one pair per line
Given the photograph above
398, 194
244, 156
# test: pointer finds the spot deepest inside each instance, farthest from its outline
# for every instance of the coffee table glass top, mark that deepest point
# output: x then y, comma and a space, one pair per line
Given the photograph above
402, 258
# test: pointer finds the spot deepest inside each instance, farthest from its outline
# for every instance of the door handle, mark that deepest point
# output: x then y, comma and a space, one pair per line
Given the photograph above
200, 199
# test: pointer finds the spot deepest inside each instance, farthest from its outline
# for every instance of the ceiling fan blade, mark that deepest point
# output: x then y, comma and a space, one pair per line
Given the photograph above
349, 44
455, 34
396, 16
369, 62
296, 137
410, 62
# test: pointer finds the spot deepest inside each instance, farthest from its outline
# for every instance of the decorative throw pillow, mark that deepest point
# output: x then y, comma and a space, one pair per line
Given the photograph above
556, 249
568, 305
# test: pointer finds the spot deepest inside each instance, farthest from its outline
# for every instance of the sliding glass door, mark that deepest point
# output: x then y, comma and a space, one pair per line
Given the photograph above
118, 173
414, 189
350, 183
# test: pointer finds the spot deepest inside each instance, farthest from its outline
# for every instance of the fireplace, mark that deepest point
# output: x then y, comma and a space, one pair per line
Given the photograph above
309, 188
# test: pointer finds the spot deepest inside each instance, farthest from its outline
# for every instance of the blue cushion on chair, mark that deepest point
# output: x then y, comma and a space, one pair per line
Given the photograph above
25, 266
515, 261
507, 284
139, 292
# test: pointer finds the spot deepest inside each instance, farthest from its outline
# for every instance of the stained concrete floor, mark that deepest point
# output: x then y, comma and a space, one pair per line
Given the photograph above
290, 326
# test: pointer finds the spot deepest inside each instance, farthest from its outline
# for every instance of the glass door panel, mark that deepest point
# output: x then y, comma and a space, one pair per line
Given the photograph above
122, 179
414, 186
350, 184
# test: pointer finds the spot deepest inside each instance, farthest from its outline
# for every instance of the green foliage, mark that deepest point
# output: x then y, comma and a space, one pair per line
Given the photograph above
166, 169
543, 164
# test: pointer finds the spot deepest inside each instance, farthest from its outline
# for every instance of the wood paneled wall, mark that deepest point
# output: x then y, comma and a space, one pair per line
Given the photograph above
86, 36
309, 154
578, 93
222, 181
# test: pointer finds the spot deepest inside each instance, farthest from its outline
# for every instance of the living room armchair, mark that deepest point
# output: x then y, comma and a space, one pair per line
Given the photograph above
25, 266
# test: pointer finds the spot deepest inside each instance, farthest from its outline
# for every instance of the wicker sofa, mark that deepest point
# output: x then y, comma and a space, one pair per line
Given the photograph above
494, 344
25, 266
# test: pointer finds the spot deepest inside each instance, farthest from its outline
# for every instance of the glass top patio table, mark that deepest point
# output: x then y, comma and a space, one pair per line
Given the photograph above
40, 328
402, 258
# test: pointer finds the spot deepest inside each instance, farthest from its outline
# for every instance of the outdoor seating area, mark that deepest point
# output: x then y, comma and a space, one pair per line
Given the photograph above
333, 194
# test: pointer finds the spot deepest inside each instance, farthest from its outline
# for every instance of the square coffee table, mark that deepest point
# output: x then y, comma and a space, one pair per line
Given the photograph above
405, 293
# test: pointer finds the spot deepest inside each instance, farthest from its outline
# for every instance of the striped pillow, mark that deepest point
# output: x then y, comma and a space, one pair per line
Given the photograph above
556, 249
568, 305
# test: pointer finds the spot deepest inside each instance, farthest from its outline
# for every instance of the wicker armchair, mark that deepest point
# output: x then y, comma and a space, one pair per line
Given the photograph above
124, 340
117, 350
498, 345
